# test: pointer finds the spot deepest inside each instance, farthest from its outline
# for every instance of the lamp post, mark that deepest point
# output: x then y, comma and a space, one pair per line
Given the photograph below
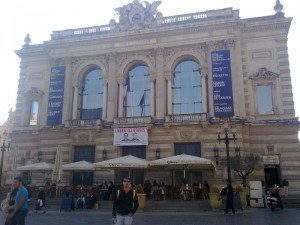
40, 156
104, 154
3, 148
157, 153
226, 140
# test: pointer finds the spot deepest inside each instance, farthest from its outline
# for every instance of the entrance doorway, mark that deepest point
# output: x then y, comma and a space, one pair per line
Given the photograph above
137, 176
86, 153
272, 175
190, 176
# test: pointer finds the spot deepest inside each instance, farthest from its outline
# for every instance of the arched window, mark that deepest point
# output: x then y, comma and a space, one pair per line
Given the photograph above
187, 88
92, 92
136, 100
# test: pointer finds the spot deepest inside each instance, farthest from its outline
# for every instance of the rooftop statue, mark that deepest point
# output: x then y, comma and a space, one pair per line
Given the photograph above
136, 15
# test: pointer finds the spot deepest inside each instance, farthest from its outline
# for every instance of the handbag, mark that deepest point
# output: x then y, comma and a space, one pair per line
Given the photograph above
5, 205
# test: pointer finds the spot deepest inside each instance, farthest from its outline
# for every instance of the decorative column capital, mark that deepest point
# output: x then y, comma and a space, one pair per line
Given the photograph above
204, 71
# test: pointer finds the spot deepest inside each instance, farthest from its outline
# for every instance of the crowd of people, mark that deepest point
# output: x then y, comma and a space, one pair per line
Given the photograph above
16, 204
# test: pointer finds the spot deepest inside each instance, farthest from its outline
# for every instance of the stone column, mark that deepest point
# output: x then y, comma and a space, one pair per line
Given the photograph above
104, 101
204, 72
112, 96
67, 104
120, 105
75, 101
169, 93
160, 88
152, 95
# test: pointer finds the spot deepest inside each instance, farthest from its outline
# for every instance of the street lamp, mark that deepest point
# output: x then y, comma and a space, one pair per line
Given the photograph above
40, 156
104, 154
157, 153
226, 140
3, 148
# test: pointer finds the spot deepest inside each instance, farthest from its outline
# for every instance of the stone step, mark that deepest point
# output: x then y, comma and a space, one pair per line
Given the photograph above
152, 206
163, 206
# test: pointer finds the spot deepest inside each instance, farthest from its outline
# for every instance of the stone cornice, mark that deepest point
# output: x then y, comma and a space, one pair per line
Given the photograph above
265, 25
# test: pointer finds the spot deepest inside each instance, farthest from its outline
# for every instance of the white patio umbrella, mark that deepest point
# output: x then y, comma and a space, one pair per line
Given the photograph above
129, 162
183, 162
57, 169
36, 167
78, 166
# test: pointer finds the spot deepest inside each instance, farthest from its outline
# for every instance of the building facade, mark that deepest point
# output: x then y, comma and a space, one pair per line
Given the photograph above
155, 86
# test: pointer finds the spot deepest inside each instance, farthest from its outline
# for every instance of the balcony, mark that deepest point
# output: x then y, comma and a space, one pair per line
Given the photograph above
187, 118
133, 120
83, 123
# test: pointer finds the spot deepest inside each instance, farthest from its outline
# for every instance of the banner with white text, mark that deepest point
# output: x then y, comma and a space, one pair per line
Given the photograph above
222, 83
56, 95
130, 136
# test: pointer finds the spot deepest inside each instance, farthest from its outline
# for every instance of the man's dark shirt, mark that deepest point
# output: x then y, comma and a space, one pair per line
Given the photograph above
229, 190
123, 204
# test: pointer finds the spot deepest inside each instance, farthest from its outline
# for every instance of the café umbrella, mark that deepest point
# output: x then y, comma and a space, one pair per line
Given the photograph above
125, 162
183, 162
80, 166
57, 168
36, 167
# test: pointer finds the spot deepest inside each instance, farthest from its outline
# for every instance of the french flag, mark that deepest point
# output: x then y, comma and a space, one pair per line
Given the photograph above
125, 90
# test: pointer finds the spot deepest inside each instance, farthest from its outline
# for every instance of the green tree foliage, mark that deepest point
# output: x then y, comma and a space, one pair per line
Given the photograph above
245, 165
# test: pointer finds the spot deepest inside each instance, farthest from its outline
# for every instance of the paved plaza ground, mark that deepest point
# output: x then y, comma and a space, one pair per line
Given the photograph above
250, 216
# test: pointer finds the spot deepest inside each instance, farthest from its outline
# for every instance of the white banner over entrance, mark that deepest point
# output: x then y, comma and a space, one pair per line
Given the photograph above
130, 136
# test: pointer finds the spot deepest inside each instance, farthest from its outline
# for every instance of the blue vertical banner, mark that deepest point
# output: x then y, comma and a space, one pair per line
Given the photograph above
56, 95
222, 83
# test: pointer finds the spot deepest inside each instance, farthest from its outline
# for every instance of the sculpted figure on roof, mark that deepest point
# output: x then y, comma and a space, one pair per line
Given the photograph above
137, 14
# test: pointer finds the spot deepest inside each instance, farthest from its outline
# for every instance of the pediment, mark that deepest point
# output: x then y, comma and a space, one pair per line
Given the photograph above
264, 73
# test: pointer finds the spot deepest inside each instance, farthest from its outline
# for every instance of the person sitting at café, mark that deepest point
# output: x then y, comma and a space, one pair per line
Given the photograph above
147, 188
91, 201
80, 202
163, 189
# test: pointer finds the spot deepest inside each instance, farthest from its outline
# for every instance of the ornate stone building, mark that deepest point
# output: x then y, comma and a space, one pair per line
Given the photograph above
171, 80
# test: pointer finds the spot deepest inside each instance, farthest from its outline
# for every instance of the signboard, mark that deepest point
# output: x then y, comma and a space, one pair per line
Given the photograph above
130, 136
56, 96
222, 83
271, 159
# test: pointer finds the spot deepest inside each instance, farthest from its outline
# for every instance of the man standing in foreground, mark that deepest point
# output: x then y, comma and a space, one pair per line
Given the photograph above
125, 204
21, 203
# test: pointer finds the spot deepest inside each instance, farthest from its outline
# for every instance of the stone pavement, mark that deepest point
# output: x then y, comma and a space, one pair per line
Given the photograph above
251, 216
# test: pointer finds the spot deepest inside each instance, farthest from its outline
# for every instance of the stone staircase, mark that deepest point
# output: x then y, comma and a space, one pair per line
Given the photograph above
167, 205
53, 204
291, 201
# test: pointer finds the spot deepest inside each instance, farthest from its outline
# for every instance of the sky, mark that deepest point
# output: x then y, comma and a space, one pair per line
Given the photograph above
40, 18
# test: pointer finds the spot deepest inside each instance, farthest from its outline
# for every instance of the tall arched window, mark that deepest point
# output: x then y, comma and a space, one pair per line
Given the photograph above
136, 100
187, 88
92, 92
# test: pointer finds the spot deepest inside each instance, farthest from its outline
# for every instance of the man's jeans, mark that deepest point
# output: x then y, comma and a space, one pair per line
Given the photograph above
124, 220
19, 217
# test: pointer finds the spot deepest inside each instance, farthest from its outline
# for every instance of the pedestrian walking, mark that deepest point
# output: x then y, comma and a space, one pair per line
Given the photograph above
229, 197
21, 203
41, 200
125, 204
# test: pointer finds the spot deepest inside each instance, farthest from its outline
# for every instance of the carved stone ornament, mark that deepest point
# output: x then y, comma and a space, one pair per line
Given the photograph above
136, 15
83, 138
34, 92
264, 73
186, 135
